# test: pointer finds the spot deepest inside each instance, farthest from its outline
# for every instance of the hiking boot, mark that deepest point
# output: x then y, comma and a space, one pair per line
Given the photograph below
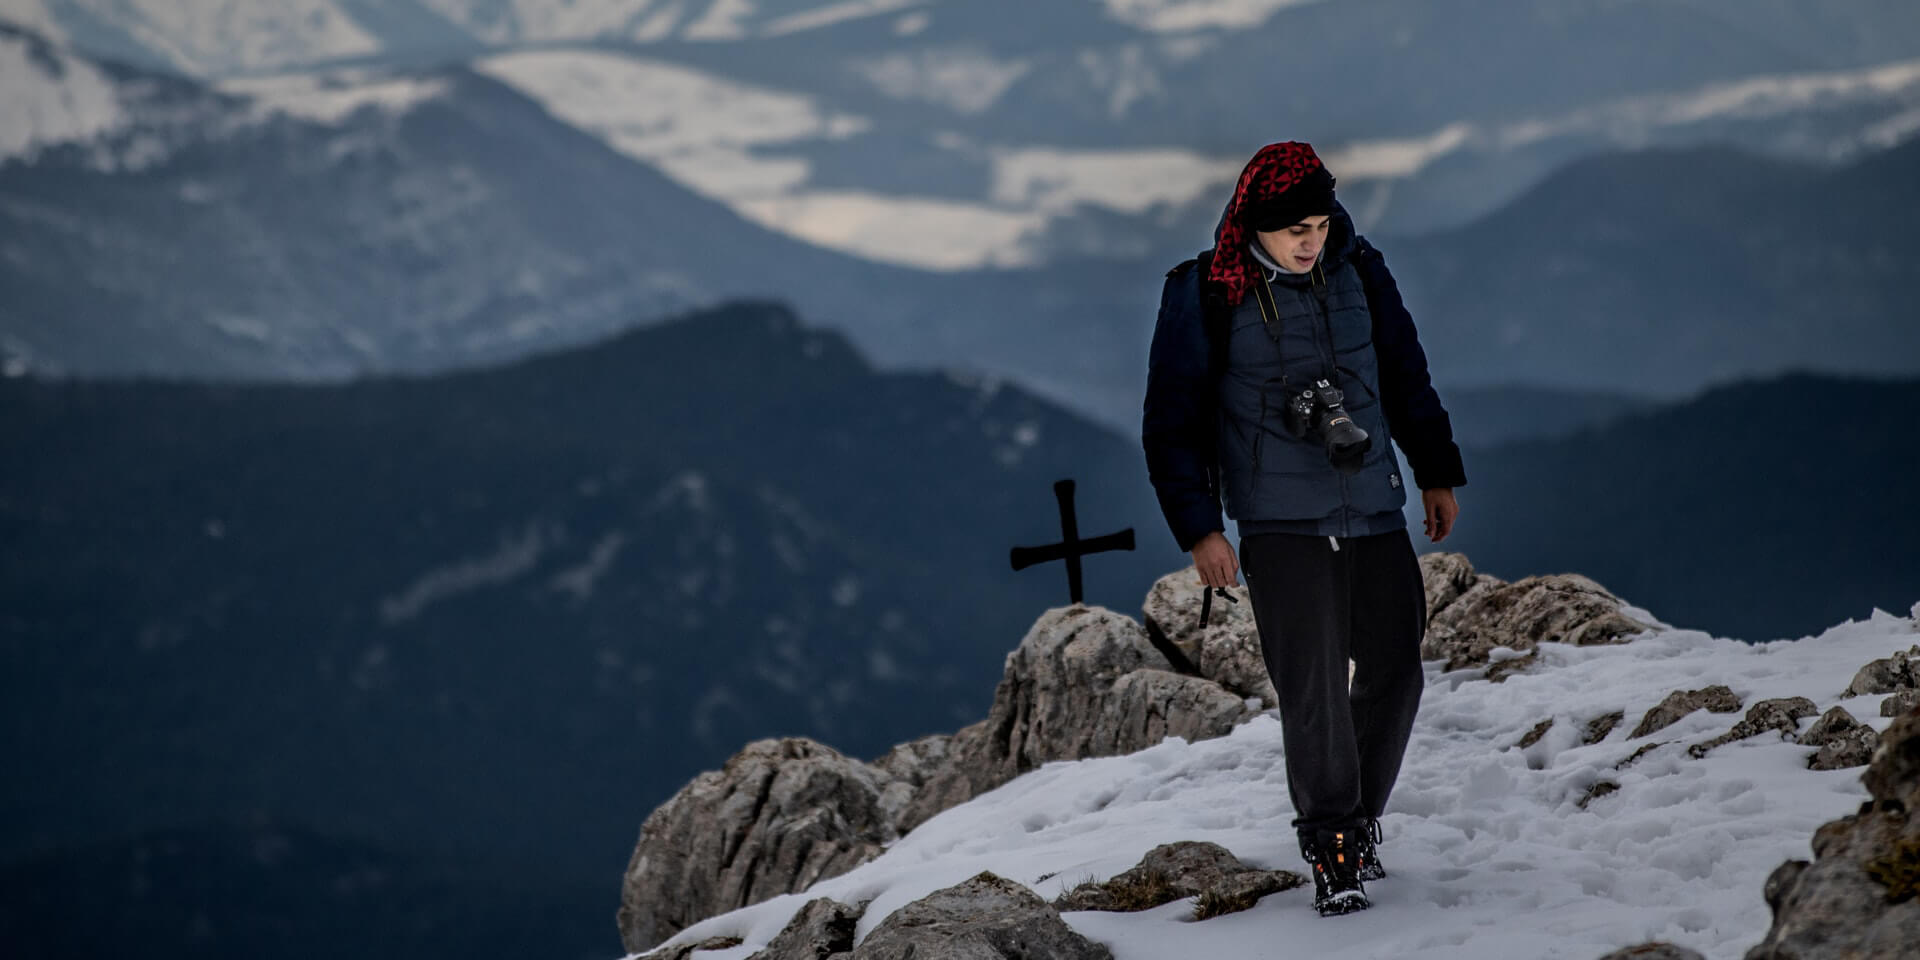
1365, 842
1334, 855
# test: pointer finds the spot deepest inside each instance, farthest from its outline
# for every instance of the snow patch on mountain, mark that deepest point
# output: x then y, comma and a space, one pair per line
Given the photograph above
225, 36
962, 80
699, 129
1488, 849
1178, 16
52, 98
331, 97
834, 13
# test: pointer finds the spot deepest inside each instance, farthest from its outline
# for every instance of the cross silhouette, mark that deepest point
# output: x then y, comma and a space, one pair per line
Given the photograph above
1070, 548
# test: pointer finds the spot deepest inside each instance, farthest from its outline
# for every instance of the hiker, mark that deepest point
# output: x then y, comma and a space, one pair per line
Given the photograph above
1283, 367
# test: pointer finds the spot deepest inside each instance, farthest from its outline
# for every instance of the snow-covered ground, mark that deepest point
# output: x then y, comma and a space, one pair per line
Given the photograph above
1488, 854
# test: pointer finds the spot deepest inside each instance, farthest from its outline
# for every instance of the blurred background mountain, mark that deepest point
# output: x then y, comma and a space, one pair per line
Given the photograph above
438, 428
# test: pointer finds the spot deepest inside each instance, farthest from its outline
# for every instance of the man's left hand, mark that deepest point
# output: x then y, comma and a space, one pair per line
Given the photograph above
1441, 511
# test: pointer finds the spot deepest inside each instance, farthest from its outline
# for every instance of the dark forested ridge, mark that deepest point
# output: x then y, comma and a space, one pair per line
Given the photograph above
509, 611
1757, 510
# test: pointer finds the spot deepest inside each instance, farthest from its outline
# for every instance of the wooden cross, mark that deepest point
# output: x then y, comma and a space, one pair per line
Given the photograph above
1070, 548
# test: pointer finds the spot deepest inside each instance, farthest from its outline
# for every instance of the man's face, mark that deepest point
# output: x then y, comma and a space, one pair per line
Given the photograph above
1297, 247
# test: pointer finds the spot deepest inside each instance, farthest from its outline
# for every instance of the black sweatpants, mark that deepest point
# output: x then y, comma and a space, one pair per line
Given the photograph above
1316, 607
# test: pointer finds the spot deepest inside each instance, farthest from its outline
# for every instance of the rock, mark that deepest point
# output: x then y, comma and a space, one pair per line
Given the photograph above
685, 950
1860, 896
1655, 950
984, 918
822, 928
1084, 682
1898, 672
1843, 741
1533, 736
780, 815
1639, 752
1227, 651
1901, 702
1780, 713
1173, 871
1470, 614
905, 769
1599, 727
1600, 788
1717, 698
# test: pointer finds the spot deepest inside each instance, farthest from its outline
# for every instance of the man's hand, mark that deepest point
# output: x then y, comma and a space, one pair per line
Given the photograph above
1441, 511
1213, 557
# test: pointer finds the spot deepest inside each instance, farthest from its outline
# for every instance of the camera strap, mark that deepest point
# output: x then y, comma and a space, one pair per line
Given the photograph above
1270, 315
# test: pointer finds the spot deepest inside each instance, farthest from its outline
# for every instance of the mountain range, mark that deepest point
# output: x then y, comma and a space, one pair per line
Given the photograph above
313, 227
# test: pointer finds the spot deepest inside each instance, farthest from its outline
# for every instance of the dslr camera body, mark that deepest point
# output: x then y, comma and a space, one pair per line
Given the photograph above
1317, 413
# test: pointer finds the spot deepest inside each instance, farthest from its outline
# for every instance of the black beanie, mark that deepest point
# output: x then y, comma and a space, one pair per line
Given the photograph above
1312, 196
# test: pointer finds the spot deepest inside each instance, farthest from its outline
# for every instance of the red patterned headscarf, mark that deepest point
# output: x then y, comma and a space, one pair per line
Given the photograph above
1270, 174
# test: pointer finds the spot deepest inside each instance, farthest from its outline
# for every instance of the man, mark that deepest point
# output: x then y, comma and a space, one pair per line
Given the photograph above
1283, 366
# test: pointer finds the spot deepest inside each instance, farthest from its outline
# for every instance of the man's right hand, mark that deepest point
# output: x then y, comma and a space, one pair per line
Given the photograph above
1214, 558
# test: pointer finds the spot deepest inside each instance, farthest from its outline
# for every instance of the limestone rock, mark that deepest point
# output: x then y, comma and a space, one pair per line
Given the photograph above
1470, 614
1599, 727
1860, 896
822, 928
984, 918
685, 950
1533, 736
1780, 713
1843, 741
1084, 682
1901, 702
1717, 698
1175, 870
1227, 649
1655, 950
1887, 675
780, 815
1596, 790
905, 769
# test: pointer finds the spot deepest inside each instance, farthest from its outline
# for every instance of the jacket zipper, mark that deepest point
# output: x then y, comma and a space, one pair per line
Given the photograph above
1319, 293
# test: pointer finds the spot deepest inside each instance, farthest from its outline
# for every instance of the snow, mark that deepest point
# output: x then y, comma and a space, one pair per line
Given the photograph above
722, 21
1632, 120
1487, 853
1176, 16
832, 14
221, 36
332, 96
962, 79
75, 101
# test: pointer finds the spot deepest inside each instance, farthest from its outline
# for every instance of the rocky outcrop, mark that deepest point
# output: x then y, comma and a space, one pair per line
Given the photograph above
783, 814
1469, 614
1780, 713
780, 815
684, 950
1888, 675
1175, 871
1901, 702
1226, 649
1843, 741
822, 928
984, 918
1859, 898
1717, 698
1084, 682
1657, 950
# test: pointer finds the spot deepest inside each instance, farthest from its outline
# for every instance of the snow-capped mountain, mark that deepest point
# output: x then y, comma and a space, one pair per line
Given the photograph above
1518, 826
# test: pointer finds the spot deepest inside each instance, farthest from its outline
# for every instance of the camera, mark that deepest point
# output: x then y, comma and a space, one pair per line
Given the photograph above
1316, 413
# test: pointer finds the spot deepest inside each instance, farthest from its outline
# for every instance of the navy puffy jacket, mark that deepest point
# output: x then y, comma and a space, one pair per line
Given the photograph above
1180, 419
